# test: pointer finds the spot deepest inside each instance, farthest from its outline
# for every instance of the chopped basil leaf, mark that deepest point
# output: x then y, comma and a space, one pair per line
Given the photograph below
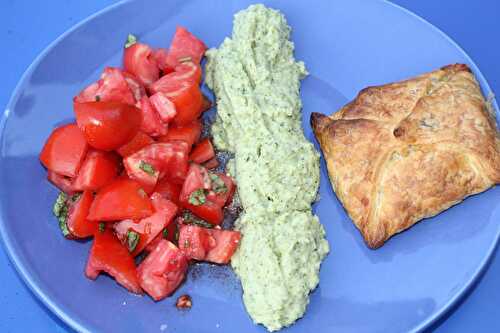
97, 98
218, 185
185, 59
131, 40
74, 198
132, 240
60, 210
165, 233
59, 204
102, 227
197, 198
64, 228
189, 218
147, 168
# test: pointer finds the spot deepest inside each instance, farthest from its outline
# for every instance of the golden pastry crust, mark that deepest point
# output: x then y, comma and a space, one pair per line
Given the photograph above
405, 151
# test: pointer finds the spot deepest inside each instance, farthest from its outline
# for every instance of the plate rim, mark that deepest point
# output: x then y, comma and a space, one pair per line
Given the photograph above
70, 319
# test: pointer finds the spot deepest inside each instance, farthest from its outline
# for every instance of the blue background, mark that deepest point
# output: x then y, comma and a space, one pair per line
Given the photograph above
27, 27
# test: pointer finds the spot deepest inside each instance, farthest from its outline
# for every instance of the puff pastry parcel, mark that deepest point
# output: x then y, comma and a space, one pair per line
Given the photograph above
408, 150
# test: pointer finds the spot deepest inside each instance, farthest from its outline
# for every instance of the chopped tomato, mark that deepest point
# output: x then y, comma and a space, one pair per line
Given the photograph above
139, 60
222, 191
142, 169
98, 169
226, 244
135, 86
112, 87
161, 55
195, 241
163, 106
206, 104
188, 71
107, 125
168, 190
121, 199
163, 270
189, 133
63, 183
185, 45
207, 211
64, 150
169, 233
149, 227
212, 163
202, 152
77, 222
197, 178
151, 122
109, 255
139, 141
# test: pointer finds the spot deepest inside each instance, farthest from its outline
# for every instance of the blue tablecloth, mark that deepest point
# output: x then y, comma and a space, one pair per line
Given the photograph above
27, 27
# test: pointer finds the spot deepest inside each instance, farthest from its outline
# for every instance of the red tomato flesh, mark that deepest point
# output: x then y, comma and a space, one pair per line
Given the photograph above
202, 152
151, 122
64, 150
109, 255
63, 183
139, 60
226, 244
168, 190
139, 141
195, 241
163, 270
77, 222
208, 211
197, 178
163, 106
189, 133
212, 163
223, 197
107, 125
185, 45
135, 86
98, 169
120, 200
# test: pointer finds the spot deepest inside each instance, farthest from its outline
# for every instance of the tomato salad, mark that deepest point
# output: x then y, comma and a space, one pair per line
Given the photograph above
135, 175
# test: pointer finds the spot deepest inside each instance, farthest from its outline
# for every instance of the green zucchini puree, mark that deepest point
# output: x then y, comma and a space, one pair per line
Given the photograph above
256, 80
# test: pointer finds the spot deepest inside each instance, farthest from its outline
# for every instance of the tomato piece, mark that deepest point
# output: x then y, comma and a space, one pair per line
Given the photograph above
185, 45
160, 55
120, 200
135, 86
107, 125
139, 141
139, 60
64, 150
206, 104
151, 122
212, 163
168, 190
77, 222
98, 169
221, 195
149, 227
202, 152
207, 211
63, 183
142, 169
195, 241
189, 133
197, 178
109, 255
163, 270
111, 87
226, 244
163, 106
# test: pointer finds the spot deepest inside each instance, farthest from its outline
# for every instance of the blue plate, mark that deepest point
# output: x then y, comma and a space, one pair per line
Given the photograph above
346, 45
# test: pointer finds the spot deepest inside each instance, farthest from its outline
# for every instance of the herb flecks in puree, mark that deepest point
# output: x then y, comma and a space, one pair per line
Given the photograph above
256, 80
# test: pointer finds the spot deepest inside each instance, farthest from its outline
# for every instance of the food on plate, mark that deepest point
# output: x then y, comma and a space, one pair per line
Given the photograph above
405, 151
256, 80
131, 175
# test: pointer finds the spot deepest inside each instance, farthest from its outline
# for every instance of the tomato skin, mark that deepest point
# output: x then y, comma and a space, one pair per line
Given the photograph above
160, 55
212, 163
163, 270
151, 122
227, 242
168, 190
63, 183
150, 227
202, 152
208, 211
107, 125
64, 150
224, 198
185, 44
163, 106
111, 87
135, 86
189, 133
139, 141
120, 200
195, 241
98, 169
109, 255
138, 59
77, 222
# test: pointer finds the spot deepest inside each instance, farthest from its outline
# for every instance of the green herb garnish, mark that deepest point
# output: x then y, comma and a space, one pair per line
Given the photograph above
60, 204
189, 218
61, 210
147, 168
218, 185
131, 40
97, 98
102, 227
132, 240
165, 233
197, 198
